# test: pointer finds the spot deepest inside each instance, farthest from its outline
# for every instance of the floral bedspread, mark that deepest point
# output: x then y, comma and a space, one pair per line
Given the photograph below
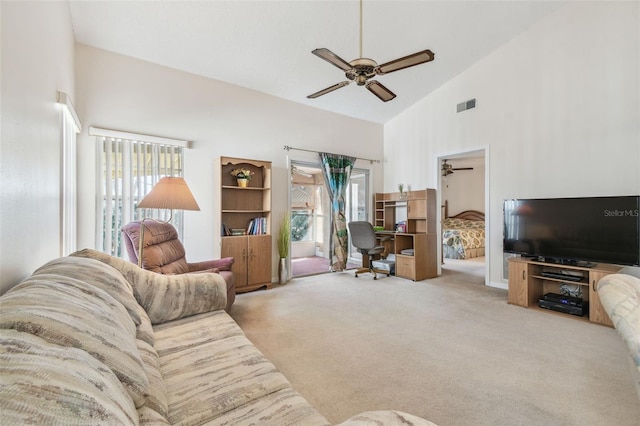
459, 234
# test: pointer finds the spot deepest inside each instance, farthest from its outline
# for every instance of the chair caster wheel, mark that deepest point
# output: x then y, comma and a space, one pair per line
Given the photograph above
375, 278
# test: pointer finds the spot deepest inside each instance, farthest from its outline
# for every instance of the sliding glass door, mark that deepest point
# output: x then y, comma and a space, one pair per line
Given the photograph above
310, 215
358, 197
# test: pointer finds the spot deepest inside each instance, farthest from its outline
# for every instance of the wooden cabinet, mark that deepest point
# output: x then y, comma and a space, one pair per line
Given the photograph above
421, 231
527, 284
252, 266
422, 264
596, 310
246, 222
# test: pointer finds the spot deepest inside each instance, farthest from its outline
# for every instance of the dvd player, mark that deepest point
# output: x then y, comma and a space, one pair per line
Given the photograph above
566, 304
562, 276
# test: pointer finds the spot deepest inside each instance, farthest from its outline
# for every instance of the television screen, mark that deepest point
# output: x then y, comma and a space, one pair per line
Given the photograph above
592, 229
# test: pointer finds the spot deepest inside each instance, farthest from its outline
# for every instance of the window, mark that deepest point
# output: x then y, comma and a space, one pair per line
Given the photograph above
70, 127
128, 166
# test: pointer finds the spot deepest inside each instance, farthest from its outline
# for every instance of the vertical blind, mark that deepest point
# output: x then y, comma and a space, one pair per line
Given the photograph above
128, 168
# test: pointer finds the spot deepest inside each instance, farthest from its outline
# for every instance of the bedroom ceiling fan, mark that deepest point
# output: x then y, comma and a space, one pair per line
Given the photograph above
447, 169
361, 70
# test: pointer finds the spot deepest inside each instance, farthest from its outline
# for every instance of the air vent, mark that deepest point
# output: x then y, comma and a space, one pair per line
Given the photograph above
463, 106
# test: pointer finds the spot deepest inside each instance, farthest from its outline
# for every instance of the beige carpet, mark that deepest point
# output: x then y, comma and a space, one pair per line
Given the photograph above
447, 349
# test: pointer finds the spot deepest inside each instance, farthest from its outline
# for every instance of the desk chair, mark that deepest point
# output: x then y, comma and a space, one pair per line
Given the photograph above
363, 237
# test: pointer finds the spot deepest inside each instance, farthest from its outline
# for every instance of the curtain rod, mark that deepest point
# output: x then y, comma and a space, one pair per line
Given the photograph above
289, 148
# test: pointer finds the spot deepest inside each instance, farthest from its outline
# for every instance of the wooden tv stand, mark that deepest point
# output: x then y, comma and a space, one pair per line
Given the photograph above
527, 285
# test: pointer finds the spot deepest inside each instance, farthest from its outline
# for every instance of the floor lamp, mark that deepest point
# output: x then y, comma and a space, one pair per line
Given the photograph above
169, 193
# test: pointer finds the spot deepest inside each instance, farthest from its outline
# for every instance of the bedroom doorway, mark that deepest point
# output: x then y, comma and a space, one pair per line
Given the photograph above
463, 191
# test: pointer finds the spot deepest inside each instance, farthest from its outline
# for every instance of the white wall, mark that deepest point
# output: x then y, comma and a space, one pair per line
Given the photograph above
558, 108
37, 61
121, 93
464, 189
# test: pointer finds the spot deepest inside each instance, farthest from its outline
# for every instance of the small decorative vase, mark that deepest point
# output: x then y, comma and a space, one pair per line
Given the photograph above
282, 271
242, 183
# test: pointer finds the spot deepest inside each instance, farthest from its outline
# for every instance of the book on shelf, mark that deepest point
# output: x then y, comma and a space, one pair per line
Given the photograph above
257, 226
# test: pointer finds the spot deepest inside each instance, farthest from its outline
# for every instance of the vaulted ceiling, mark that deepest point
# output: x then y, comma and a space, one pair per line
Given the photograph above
266, 45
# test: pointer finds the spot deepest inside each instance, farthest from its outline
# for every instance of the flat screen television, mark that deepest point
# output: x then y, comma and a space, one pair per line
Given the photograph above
574, 230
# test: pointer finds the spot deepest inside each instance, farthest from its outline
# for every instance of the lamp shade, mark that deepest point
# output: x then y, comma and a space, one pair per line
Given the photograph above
170, 193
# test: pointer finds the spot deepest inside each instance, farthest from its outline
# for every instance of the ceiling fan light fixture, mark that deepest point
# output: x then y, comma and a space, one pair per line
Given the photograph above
362, 69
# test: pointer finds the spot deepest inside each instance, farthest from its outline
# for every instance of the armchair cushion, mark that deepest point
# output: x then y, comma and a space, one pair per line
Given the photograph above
223, 264
162, 251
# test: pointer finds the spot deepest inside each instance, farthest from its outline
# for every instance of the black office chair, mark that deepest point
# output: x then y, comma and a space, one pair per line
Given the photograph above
363, 237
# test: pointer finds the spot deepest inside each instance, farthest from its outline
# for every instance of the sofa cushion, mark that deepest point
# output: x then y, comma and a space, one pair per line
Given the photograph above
284, 407
210, 368
69, 312
157, 398
43, 383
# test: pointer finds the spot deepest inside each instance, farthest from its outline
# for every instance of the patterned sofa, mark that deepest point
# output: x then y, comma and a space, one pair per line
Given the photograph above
620, 297
92, 339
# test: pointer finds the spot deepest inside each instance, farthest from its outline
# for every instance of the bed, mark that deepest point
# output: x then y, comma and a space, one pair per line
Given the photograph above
462, 234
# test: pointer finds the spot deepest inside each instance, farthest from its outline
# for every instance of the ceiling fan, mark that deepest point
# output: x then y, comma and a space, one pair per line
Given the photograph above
447, 169
361, 70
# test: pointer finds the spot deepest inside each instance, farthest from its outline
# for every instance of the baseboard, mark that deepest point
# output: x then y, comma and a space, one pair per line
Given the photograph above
504, 286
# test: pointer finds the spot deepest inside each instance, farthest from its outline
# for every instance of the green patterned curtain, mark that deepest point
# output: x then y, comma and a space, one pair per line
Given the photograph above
336, 170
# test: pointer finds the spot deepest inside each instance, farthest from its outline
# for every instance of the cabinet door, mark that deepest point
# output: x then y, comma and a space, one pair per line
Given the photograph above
518, 283
259, 261
236, 247
416, 209
597, 313
405, 267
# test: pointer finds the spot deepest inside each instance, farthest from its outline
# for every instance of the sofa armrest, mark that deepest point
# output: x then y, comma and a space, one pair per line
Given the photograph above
168, 297
223, 264
387, 418
620, 298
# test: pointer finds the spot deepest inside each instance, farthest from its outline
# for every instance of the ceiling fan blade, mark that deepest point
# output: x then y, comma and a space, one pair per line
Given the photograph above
463, 168
332, 58
406, 62
328, 89
380, 91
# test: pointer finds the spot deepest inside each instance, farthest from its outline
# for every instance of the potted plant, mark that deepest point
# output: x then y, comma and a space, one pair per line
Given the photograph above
284, 239
243, 176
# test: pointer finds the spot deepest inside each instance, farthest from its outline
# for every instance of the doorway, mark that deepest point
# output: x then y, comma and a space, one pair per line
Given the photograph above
310, 216
463, 189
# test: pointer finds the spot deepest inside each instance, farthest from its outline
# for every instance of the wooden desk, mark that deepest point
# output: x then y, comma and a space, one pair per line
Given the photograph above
423, 263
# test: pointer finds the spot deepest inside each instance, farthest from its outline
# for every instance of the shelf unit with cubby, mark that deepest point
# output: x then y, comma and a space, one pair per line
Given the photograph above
240, 206
527, 285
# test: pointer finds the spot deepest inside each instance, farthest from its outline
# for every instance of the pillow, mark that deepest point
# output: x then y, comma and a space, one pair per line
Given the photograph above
71, 313
42, 383
95, 273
